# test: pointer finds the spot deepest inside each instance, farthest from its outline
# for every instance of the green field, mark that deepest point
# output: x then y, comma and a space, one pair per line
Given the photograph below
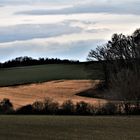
69, 128
41, 73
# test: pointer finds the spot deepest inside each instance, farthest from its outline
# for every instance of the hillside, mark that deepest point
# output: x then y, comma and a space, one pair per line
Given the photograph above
49, 72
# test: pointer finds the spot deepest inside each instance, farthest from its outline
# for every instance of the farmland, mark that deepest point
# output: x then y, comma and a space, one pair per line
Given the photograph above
60, 82
59, 90
57, 81
43, 73
69, 128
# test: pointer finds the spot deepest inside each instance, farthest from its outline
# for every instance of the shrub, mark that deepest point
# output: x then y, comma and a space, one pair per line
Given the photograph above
28, 109
38, 107
131, 108
68, 108
109, 109
83, 108
6, 107
135, 110
50, 107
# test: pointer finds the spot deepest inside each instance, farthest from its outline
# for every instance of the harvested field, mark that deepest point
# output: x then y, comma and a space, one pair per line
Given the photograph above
59, 91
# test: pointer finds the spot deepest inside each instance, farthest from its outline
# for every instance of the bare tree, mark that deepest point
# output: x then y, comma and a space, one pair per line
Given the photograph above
121, 64
119, 53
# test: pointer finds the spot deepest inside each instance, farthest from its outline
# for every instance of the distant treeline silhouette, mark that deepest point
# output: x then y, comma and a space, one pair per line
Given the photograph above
50, 107
28, 61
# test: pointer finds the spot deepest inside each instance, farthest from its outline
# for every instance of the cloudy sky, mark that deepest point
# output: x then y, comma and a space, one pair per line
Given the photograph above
62, 28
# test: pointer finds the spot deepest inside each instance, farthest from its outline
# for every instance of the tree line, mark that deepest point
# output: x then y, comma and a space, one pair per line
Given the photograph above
28, 61
50, 107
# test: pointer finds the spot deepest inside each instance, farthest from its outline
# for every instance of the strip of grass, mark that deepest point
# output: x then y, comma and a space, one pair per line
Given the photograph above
43, 73
69, 128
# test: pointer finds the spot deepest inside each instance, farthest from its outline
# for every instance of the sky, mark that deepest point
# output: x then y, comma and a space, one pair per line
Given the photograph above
65, 29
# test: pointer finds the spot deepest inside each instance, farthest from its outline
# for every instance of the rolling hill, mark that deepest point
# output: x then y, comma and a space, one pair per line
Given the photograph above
49, 72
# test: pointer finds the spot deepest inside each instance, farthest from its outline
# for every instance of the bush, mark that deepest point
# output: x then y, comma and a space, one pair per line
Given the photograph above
28, 109
38, 107
135, 110
131, 108
109, 109
68, 108
83, 108
50, 107
6, 107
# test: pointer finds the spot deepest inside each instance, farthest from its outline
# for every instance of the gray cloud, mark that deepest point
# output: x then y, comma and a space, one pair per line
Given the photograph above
31, 31
20, 2
23, 32
124, 7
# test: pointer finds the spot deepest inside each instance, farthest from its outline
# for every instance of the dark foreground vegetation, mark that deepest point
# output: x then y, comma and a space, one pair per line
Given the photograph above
50, 107
69, 128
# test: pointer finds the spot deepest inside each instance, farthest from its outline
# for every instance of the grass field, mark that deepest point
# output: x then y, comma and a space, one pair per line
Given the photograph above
69, 128
41, 73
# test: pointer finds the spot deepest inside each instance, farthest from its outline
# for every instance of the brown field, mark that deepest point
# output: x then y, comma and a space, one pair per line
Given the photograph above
59, 91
